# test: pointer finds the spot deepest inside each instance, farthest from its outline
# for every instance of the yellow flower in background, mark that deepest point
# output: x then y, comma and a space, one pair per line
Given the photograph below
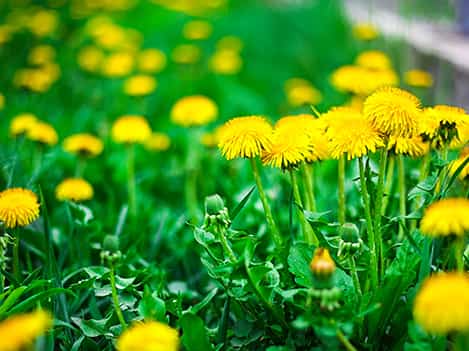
43, 22
140, 85
194, 110
356, 102
211, 139
442, 124
5, 33
418, 78
74, 189
365, 31
374, 59
130, 129
90, 58
148, 336
454, 166
83, 144
322, 264
245, 137
19, 332
38, 80
22, 123
41, 54
197, 30
446, 217
350, 133
18, 208
230, 42
442, 302
158, 142
411, 146
186, 54
151, 61
463, 137
225, 62
2, 101
42, 132
192, 7
301, 92
118, 64
393, 111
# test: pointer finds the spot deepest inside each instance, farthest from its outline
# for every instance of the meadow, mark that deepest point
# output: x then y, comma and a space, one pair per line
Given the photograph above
225, 175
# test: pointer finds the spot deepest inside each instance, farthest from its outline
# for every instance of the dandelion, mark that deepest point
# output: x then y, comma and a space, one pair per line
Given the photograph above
301, 92
19, 332
442, 302
118, 64
140, 85
151, 61
42, 133
158, 142
446, 217
225, 62
148, 336
130, 129
230, 42
90, 58
374, 59
365, 31
22, 123
18, 207
393, 111
186, 54
83, 144
74, 189
196, 110
418, 78
322, 265
41, 54
43, 23
413, 146
197, 30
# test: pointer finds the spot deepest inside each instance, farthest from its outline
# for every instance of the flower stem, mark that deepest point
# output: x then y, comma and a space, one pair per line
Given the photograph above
115, 297
308, 233
402, 193
16, 255
459, 253
308, 180
343, 339
369, 225
80, 167
388, 184
341, 189
226, 246
131, 180
356, 280
265, 203
379, 204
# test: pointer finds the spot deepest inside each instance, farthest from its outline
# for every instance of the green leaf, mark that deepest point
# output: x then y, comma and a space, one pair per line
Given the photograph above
36, 298
198, 307
11, 299
97, 272
298, 263
242, 203
93, 327
123, 283
151, 306
194, 334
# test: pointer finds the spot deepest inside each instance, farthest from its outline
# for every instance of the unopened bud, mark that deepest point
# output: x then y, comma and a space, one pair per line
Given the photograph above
111, 243
322, 265
349, 233
214, 204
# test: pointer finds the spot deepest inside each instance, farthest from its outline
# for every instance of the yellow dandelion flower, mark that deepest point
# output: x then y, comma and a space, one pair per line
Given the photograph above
210, 139
90, 58
225, 62
197, 30
43, 133
140, 85
5, 33
463, 137
245, 137
118, 64
186, 54
365, 31
393, 111
418, 78
18, 207
230, 42
322, 264
130, 129
151, 61
148, 336
446, 217
195, 110
290, 146
38, 80
41, 55
22, 123
442, 124
413, 146
356, 102
350, 133
442, 302
43, 22
18, 332
158, 142
374, 59
74, 189
301, 92
83, 144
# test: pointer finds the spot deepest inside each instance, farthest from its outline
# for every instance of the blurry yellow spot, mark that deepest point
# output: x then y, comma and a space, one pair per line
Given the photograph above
158, 142
365, 31
300, 92
118, 64
197, 30
418, 78
90, 58
186, 54
139, 85
226, 62
41, 55
151, 61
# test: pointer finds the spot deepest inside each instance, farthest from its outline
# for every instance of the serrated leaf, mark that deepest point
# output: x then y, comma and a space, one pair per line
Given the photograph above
194, 334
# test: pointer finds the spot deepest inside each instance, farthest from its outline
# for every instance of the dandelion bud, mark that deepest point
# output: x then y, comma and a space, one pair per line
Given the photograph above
216, 214
322, 265
111, 243
214, 204
350, 241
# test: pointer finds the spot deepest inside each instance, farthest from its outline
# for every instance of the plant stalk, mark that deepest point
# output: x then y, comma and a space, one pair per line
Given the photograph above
378, 208
402, 194
131, 187
341, 189
115, 297
308, 180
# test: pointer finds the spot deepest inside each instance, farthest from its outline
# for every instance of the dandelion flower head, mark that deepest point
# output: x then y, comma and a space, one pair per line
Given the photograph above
148, 336
195, 110
18, 207
130, 129
446, 217
83, 144
74, 189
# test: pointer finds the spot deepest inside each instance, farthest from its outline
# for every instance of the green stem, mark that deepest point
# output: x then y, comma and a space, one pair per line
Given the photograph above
190, 184
378, 206
388, 184
356, 280
423, 173
115, 297
131, 180
459, 254
226, 246
265, 203
402, 193
80, 167
341, 189
369, 225
16, 255
308, 179
343, 339
308, 233
37, 159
